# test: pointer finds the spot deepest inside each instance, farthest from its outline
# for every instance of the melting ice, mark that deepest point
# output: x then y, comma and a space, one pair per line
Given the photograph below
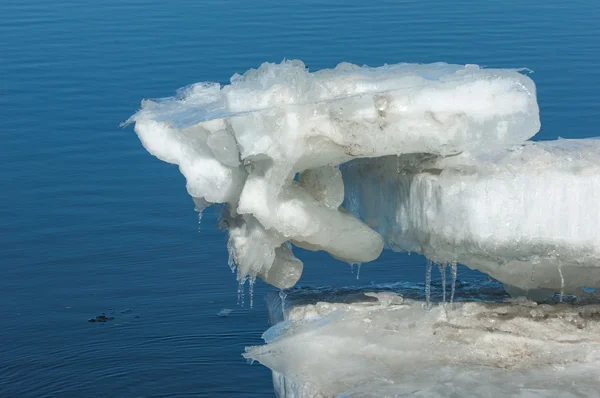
242, 145
433, 159
527, 214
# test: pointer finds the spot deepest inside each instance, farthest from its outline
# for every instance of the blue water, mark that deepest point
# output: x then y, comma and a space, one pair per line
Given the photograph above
91, 224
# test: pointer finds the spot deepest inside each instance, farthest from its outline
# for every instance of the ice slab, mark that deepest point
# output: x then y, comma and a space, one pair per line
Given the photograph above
242, 144
527, 215
375, 342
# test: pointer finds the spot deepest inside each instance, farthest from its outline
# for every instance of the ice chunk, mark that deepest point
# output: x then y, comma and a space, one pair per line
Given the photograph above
527, 215
242, 144
285, 270
335, 343
225, 312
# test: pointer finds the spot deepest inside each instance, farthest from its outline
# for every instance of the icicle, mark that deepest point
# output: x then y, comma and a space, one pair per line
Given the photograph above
282, 296
442, 268
428, 284
200, 204
562, 284
357, 270
453, 270
251, 291
240, 292
231, 261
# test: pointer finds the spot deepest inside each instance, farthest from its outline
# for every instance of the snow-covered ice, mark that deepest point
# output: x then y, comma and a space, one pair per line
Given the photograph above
376, 343
528, 215
242, 144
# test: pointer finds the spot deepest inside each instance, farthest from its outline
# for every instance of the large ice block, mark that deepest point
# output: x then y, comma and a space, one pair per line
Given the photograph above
242, 144
375, 342
528, 215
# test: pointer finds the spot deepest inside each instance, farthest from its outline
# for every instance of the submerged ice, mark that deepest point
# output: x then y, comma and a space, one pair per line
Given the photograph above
268, 146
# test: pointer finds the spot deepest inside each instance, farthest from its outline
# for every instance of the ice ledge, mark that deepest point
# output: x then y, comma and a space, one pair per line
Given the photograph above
242, 144
527, 215
375, 342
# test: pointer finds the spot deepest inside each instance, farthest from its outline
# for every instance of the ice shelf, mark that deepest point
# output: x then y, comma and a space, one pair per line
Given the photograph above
528, 215
378, 342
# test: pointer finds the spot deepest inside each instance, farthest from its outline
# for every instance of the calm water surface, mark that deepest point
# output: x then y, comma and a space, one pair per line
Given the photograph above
90, 223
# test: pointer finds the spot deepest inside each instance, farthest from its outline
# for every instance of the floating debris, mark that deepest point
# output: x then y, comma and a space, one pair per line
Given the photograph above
225, 312
101, 318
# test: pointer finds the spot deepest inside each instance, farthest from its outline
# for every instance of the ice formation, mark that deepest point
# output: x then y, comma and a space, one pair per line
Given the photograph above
527, 215
243, 145
433, 159
376, 343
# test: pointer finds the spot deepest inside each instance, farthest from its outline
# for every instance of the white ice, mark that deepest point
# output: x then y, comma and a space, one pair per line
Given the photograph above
527, 215
431, 159
242, 144
380, 344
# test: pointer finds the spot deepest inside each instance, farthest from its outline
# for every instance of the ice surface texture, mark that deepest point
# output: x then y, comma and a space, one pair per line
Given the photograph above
377, 343
528, 215
242, 144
